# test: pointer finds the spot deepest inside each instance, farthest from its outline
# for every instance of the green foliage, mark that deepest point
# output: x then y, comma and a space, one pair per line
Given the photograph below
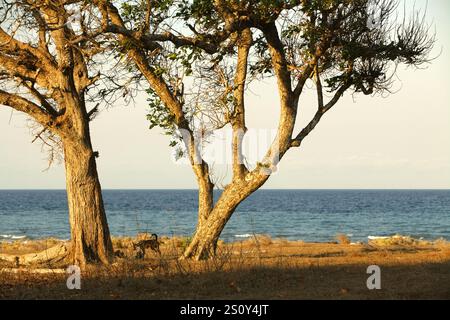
263, 65
158, 70
133, 12
179, 152
159, 115
186, 57
201, 11
359, 42
335, 34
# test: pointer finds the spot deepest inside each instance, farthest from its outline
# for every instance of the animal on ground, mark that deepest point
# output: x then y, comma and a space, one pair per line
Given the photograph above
142, 245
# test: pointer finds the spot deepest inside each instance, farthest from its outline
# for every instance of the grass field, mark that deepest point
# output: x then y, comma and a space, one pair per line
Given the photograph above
258, 268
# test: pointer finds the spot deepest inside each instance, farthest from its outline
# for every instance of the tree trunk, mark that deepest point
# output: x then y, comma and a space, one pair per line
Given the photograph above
204, 242
90, 238
205, 198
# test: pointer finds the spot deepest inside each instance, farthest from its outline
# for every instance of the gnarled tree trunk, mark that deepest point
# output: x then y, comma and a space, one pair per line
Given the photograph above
50, 86
90, 238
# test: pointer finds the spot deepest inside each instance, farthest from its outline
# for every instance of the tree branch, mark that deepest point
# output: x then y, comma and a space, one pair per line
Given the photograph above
318, 87
288, 105
23, 105
319, 114
45, 105
301, 82
238, 115
12, 46
279, 64
156, 82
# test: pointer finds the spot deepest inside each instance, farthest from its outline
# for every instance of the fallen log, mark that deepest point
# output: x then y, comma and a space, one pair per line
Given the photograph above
51, 255
37, 271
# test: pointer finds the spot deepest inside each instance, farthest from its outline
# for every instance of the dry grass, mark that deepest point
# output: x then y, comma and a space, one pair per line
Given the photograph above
258, 268
399, 240
27, 246
343, 238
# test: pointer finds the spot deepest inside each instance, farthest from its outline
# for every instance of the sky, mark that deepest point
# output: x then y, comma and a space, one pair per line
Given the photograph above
401, 141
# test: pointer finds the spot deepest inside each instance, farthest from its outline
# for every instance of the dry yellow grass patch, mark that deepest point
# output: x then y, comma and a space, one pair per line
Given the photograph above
257, 268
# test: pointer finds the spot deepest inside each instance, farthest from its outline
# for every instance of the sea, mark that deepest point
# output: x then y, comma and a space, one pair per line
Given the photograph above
308, 215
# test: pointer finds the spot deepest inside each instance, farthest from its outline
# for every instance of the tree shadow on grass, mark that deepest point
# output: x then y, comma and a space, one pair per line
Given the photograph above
412, 281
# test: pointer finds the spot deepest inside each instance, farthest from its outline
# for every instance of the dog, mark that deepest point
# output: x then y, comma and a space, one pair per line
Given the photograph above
142, 245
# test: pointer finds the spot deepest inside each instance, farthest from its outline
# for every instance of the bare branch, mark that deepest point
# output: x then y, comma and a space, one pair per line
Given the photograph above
318, 116
318, 88
23, 105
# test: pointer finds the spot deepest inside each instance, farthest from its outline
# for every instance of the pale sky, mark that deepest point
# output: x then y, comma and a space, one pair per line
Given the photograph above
402, 141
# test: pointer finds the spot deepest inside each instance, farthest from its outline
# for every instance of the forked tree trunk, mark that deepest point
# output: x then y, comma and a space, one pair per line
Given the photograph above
204, 242
90, 238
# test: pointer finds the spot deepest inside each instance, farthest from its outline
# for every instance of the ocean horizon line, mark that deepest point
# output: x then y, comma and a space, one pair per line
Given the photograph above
309, 215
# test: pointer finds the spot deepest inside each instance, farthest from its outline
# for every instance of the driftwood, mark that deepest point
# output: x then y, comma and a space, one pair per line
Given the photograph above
37, 271
53, 254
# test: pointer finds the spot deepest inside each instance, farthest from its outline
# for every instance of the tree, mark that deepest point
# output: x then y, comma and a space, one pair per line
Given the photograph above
198, 58
46, 72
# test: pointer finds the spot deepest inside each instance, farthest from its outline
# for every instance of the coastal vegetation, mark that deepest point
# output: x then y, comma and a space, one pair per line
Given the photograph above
62, 61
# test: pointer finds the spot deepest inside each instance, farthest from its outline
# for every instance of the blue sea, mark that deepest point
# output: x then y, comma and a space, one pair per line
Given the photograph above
309, 215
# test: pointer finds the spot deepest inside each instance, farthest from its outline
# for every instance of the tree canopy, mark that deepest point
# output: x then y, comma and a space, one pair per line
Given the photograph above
198, 58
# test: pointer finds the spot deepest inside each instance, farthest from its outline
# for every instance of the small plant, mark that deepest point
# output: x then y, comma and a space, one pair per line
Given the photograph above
343, 238
185, 242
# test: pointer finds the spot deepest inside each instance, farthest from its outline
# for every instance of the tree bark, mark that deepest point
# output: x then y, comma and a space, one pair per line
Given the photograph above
90, 237
204, 242
205, 192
